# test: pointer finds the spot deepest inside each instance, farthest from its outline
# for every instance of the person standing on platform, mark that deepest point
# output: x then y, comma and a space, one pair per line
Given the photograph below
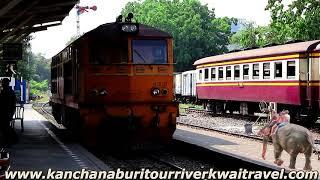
7, 110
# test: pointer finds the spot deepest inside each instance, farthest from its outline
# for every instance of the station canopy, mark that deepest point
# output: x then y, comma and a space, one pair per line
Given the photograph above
19, 18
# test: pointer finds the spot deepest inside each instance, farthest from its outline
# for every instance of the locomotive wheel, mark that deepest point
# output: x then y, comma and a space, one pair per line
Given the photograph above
63, 116
56, 112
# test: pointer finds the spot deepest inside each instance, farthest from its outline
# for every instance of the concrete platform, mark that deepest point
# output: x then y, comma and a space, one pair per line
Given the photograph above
40, 149
241, 148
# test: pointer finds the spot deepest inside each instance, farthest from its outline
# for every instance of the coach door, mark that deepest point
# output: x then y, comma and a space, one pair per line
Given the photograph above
312, 82
304, 78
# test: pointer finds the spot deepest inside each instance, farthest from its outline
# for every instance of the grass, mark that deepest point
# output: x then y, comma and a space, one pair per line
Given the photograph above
45, 98
183, 107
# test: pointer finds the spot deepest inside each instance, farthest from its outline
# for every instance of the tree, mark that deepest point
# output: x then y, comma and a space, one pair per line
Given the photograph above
72, 38
196, 31
298, 21
253, 36
24, 69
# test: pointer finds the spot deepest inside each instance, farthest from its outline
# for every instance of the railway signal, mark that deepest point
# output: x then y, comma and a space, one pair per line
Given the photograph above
81, 10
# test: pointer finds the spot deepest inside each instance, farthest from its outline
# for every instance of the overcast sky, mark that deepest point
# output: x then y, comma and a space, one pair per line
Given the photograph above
53, 40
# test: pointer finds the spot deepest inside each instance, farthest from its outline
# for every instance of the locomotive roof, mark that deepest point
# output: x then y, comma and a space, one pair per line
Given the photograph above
111, 30
262, 52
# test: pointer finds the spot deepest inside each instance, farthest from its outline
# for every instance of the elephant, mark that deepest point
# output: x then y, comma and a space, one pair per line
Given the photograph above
292, 138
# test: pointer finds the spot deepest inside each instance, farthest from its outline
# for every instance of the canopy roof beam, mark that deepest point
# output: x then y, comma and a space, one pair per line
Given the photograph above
9, 6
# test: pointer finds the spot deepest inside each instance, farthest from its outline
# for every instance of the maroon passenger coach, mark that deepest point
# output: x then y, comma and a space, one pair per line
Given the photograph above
286, 76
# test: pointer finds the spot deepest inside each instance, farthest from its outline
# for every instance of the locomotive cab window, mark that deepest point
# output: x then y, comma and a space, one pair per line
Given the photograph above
228, 73
237, 72
149, 51
278, 70
213, 74
255, 71
291, 69
109, 52
206, 74
246, 71
266, 70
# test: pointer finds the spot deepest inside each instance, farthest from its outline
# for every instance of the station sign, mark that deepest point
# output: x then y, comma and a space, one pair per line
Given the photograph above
12, 51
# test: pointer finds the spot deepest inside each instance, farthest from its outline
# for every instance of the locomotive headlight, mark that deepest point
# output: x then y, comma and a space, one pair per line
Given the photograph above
103, 92
155, 92
129, 28
165, 92
94, 92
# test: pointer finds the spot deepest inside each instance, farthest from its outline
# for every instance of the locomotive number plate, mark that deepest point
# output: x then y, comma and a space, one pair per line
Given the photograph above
160, 84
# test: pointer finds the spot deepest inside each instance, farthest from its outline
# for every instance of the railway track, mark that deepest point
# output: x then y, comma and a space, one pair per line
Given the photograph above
171, 165
235, 116
201, 111
45, 111
206, 112
175, 157
222, 132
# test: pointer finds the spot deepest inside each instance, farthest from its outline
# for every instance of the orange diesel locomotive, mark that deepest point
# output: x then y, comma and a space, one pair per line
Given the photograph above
115, 84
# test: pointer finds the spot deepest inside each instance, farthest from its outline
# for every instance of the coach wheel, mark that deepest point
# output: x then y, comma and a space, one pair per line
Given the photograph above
304, 117
220, 108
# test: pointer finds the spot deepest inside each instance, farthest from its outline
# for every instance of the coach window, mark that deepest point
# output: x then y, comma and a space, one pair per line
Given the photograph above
220, 75
255, 71
278, 69
213, 74
266, 70
291, 69
200, 75
237, 72
206, 74
228, 73
246, 71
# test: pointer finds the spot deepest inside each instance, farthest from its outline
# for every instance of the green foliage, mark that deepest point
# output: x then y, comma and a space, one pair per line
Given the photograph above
196, 31
38, 87
32, 66
72, 38
298, 21
253, 36
42, 68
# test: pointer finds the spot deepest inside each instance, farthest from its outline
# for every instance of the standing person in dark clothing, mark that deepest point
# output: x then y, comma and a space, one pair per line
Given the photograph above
7, 109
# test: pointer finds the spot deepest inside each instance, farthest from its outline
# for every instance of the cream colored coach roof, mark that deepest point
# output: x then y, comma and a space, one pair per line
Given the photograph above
262, 52
318, 48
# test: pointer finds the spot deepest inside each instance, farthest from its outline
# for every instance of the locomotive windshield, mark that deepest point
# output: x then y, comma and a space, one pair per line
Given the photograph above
149, 51
109, 52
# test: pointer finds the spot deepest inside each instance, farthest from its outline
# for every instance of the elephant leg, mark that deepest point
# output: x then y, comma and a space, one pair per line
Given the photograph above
308, 154
277, 154
293, 158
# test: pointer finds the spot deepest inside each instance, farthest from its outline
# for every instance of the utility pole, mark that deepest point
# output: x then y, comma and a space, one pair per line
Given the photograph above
80, 10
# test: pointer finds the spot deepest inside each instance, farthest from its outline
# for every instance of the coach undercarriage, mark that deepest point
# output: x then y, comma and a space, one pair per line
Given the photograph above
299, 114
